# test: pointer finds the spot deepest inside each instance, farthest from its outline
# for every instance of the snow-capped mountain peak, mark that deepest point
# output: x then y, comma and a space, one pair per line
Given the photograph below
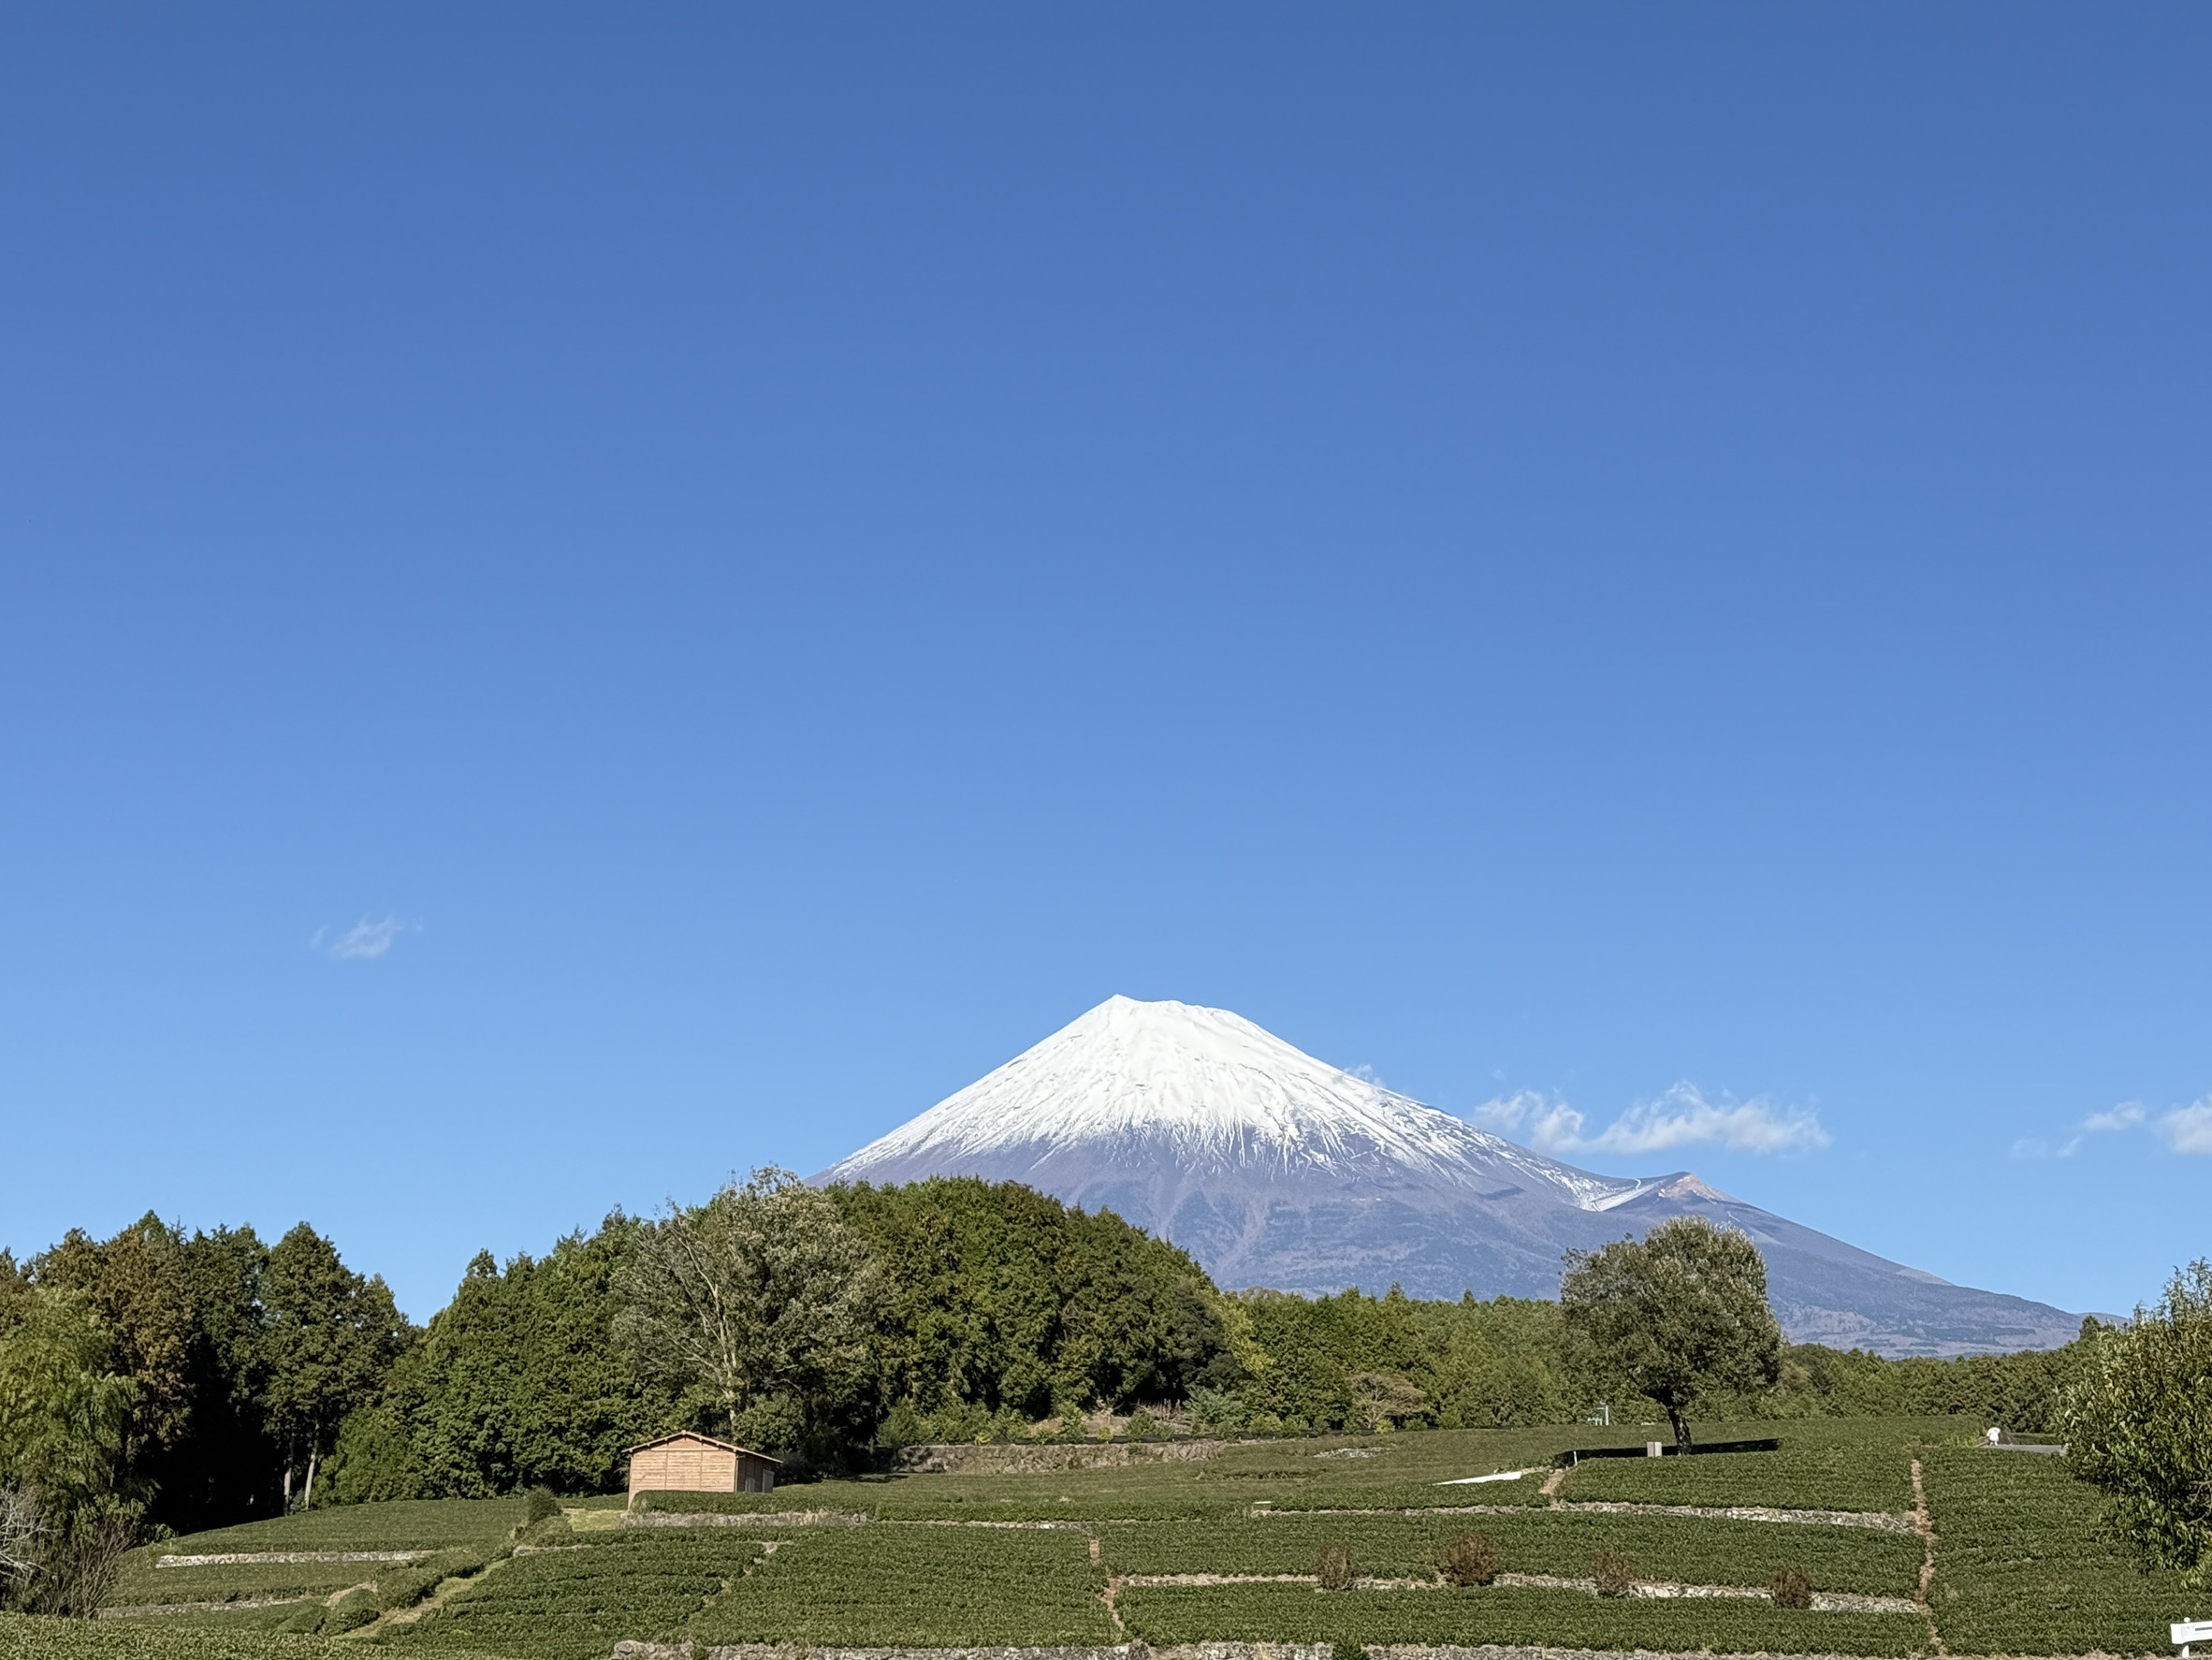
1130, 1083
1273, 1168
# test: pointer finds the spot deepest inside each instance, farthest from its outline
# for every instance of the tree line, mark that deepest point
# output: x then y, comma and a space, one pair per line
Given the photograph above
189, 1380
157, 1380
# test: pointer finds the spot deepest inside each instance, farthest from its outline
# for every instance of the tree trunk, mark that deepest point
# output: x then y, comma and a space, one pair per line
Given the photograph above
287, 1482
1682, 1426
307, 1497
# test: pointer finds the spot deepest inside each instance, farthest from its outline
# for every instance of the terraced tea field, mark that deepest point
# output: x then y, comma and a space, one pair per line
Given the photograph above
1230, 1548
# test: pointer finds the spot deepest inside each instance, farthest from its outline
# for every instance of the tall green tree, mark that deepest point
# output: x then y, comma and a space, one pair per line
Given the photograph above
2138, 1424
517, 1382
1674, 1316
227, 1468
763, 1302
329, 1336
65, 1414
136, 1286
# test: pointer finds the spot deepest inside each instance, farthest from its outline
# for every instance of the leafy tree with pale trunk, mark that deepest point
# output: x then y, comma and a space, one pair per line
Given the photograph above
1673, 1315
763, 1302
2138, 1424
329, 1336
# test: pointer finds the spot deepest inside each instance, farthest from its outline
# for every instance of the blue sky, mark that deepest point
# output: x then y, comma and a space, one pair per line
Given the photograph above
591, 598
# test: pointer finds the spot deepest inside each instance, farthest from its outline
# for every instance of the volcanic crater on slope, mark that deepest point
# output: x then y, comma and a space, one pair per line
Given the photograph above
1274, 1168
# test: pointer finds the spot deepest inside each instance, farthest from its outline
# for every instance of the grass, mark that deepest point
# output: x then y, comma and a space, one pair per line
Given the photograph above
1555, 1619
2020, 1568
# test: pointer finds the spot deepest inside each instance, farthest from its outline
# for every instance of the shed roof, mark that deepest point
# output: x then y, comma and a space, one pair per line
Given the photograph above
709, 1440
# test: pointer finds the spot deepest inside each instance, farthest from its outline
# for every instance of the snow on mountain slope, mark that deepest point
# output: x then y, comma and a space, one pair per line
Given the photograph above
1273, 1168
1138, 1081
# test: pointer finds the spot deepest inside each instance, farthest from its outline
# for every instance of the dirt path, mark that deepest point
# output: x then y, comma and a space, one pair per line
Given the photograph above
1924, 1524
1551, 1484
1112, 1590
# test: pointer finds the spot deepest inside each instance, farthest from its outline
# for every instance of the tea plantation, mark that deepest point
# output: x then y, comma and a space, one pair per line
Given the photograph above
1229, 1549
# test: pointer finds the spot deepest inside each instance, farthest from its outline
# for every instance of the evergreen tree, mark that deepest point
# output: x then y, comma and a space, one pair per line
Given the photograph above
329, 1339
517, 1383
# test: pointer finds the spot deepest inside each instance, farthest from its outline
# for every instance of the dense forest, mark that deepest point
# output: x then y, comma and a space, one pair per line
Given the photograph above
170, 1381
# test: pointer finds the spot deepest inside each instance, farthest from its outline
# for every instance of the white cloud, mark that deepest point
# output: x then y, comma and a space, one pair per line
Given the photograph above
1682, 1117
2183, 1129
2188, 1129
2119, 1118
365, 941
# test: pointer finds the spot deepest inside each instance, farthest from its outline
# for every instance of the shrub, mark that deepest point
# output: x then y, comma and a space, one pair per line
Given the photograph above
306, 1620
1143, 1426
1790, 1587
1343, 1651
1616, 1574
1470, 1559
1333, 1566
541, 1504
353, 1610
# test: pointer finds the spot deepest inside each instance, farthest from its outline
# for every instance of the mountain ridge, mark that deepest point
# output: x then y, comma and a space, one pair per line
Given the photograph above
1275, 1168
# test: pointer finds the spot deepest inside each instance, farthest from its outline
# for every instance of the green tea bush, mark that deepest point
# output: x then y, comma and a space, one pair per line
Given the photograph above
143, 1584
28, 1637
577, 1605
400, 1525
1837, 1464
539, 1504
307, 1620
354, 1609
1693, 1550
408, 1586
925, 1587
1508, 1616
2022, 1566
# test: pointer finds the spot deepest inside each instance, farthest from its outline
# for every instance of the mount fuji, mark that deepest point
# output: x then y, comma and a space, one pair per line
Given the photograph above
1273, 1168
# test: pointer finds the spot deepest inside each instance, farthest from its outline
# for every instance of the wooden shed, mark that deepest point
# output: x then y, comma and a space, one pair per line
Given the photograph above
685, 1462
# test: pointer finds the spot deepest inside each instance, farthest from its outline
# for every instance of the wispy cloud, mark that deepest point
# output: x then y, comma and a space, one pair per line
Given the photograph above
2183, 1129
1681, 1117
365, 941
2188, 1129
